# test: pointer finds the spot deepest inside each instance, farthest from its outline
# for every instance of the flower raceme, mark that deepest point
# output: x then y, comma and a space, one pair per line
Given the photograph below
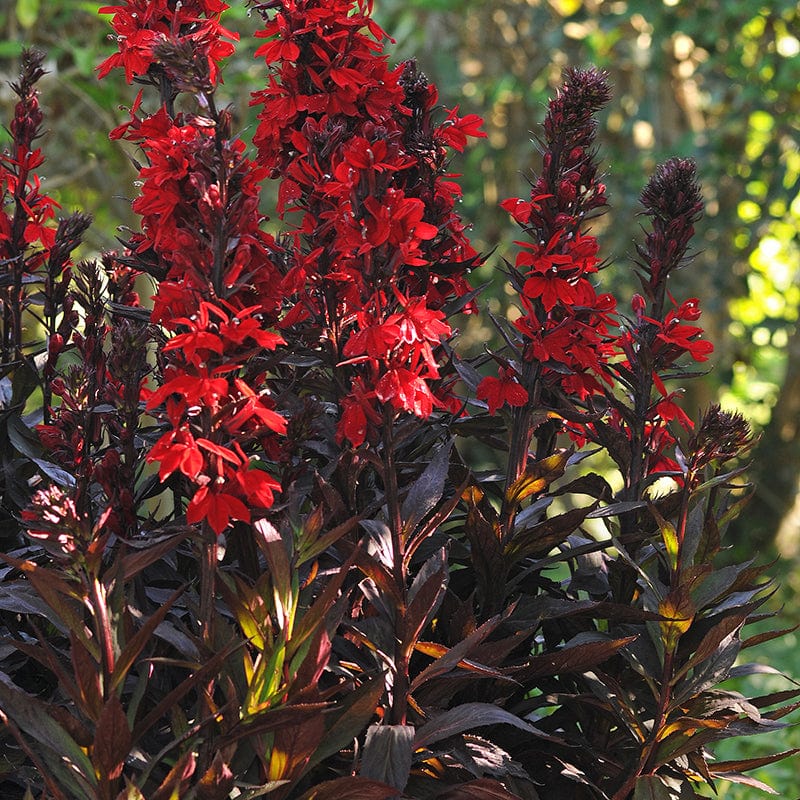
201, 237
379, 248
564, 325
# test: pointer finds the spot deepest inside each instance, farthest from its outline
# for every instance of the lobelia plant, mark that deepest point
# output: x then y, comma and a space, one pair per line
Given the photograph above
260, 562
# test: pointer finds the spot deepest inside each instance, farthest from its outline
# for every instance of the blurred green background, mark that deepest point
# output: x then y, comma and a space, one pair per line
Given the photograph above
715, 80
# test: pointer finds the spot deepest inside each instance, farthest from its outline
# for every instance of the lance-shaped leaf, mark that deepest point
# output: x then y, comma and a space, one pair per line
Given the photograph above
134, 647
351, 788
427, 489
348, 719
467, 717
112, 739
66, 761
542, 538
677, 612
537, 477
480, 789
424, 597
652, 787
486, 550
576, 656
388, 753
745, 764
449, 659
217, 781
292, 745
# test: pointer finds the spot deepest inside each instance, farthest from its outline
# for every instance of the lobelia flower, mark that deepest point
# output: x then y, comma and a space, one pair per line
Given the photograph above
201, 237
564, 326
361, 160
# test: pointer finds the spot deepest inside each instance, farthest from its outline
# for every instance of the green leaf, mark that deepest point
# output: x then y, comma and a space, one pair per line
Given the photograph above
27, 12
24, 383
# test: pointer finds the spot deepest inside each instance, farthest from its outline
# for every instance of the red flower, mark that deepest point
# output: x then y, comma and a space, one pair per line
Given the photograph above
505, 389
218, 507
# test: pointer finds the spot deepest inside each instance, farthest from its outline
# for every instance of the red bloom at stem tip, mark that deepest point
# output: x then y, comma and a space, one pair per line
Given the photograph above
505, 389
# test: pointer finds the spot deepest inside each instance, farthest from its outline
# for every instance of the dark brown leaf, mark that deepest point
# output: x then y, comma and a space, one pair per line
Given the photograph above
745, 764
469, 716
217, 782
351, 788
481, 789
571, 659
388, 753
112, 739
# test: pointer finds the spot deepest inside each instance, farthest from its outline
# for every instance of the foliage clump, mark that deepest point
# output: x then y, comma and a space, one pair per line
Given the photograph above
246, 553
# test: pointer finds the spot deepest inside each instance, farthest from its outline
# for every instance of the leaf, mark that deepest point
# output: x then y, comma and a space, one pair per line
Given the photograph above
713, 638
453, 657
350, 716
66, 760
26, 378
425, 596
537, 477
23, 438
426, 491
130, 792
274, 548
669, 536
486, 551
466, 717
388, 753
481, 789
55, 473
744, 764
137, 642
571, 658
746, 780
677, 613
543, 537
112, 739
292, 745
134, 563
651, 787
217, 782
350, 788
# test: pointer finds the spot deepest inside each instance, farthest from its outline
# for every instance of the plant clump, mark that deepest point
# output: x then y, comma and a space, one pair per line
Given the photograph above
245, 551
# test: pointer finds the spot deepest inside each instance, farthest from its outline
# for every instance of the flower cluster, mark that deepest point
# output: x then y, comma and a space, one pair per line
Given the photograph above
218, 291
379, 248
141, 26
26, 214
660, 333
564, 323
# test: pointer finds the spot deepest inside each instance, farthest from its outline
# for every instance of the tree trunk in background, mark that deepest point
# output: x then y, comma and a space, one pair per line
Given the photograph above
772, 518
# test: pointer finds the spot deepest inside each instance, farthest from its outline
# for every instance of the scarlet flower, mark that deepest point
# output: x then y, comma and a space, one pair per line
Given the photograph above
217, 507
499, 391
406, 391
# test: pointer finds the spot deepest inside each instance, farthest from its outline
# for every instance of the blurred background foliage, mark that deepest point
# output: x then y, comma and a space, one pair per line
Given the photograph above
716, 80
